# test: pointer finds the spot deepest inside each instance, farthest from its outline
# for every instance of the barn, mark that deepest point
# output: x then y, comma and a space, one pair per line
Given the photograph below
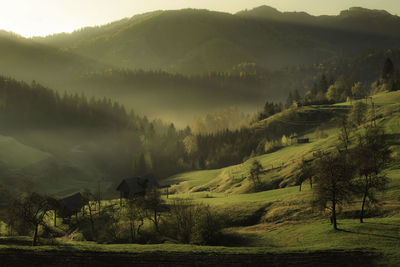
135, 186
72, 204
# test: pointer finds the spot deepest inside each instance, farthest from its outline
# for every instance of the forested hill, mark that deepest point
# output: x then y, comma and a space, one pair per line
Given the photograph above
177, 65
196, 41
355, 19
28, 60
62, 143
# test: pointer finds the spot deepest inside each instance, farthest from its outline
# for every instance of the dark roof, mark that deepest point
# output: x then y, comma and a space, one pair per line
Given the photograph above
74, 202
139, 184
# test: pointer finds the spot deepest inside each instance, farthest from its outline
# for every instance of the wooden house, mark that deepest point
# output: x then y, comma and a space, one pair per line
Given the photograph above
298, 140
72, 204
135, 186
303, 140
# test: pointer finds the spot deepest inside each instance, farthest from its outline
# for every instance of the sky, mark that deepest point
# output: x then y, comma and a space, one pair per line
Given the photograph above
43, 17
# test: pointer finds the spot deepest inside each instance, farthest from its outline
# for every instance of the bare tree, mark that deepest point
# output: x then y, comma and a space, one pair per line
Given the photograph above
98, 197
372, 155
345, 134
305, 173
255, 171
153, 206
136, 215
31, 209
184, 214
88, 196
333, 173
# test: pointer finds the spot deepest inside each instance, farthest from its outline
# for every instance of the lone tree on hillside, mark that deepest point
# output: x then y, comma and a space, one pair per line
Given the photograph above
305, 173
372, 155
333, 173
255, 171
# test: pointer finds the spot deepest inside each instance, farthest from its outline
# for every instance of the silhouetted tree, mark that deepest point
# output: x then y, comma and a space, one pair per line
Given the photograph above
333, 174
255, 171
305, 173
388, 69
153, 205
372, 155
31, 210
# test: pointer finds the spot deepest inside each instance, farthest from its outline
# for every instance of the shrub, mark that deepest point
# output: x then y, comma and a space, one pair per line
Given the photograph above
193, 223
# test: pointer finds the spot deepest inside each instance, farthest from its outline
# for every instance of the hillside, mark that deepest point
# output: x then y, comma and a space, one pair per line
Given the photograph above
275, 52
281, 166
356, 19
28, 60
273, 217
277, 225
197, 41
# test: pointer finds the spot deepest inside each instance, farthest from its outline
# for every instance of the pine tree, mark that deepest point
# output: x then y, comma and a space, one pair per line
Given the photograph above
388, 69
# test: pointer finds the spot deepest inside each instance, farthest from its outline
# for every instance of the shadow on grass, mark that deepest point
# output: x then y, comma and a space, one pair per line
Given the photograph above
15, 241
378, 223
25, 242
236, 240
369, 234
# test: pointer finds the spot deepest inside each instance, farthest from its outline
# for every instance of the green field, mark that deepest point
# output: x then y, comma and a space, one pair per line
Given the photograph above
280, 220
17, 155
283, 218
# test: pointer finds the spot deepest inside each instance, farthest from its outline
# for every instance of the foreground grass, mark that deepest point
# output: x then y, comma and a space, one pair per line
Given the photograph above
376, 235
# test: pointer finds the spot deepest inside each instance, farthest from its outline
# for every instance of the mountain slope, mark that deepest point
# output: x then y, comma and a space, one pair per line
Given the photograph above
28, 60
280, 167
193, 41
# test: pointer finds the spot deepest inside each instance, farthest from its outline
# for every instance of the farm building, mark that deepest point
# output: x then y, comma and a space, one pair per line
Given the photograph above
298, 140
72, 204
303, 140
136, 186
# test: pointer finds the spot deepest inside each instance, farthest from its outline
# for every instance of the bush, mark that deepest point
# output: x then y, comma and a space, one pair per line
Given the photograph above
208, 228
272, 146
193, 223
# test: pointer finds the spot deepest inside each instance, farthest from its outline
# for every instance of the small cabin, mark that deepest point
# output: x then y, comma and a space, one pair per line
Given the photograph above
298, 140
72, 204
136, 186
303, 140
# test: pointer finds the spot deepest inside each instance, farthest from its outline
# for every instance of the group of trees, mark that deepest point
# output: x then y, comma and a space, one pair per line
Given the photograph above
117, 140
270, 108
327, 91
33, 106
389, 80
183, 220
229, 118
353, 170
28, 212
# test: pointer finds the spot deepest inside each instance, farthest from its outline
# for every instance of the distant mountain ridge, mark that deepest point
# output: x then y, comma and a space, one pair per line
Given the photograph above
196, 41
355, 18
118, 59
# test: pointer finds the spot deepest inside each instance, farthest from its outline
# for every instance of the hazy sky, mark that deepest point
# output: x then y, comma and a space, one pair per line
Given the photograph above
42, 17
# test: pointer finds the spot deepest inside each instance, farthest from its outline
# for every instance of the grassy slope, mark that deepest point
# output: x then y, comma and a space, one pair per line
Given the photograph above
17, 155
61, 175
284, 219
280, 166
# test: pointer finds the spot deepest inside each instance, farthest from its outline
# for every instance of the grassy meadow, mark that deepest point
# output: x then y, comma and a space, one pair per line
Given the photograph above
279, 220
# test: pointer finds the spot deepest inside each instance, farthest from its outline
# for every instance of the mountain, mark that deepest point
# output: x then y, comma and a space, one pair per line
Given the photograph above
28, 60
358, 19
197, 41
168, 64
